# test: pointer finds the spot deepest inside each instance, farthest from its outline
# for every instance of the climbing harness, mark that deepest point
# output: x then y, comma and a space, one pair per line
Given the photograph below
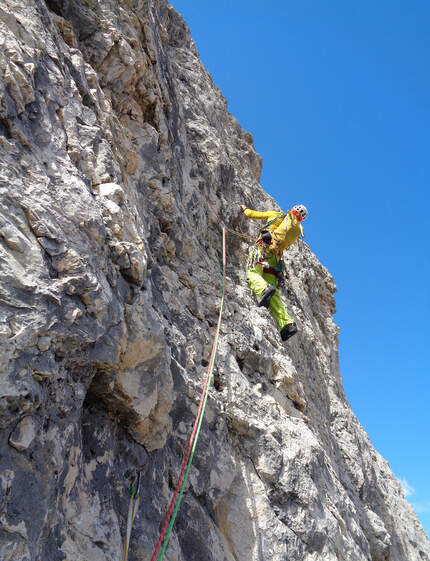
132, 509
258, 256
186, 465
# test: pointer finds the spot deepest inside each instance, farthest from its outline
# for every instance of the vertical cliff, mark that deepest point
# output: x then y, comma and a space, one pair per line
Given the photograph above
117, 152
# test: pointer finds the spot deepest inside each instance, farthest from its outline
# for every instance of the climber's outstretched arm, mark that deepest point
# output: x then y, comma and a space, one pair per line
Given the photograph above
257, 215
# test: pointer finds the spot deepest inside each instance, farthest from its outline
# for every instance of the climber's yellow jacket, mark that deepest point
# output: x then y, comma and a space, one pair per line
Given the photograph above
285, 231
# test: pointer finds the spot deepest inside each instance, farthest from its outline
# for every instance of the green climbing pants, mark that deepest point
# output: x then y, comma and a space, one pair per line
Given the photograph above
258, 282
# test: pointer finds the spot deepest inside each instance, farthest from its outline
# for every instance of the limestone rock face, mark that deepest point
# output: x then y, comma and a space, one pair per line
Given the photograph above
117, 153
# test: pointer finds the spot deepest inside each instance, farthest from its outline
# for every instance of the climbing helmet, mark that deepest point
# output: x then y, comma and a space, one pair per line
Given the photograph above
300, 212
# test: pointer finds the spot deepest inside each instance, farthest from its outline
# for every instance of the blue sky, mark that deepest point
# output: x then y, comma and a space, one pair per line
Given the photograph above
336, 95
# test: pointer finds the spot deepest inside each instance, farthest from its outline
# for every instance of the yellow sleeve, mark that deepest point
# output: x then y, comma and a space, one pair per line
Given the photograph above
257, 215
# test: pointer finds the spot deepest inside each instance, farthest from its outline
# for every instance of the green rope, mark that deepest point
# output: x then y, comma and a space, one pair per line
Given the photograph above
214, 352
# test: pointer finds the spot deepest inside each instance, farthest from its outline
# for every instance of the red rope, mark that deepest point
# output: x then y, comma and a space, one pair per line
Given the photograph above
202, 400
196, 423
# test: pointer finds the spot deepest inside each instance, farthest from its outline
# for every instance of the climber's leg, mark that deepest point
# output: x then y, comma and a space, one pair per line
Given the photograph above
262, 287
259, 282
256, 281
279, 312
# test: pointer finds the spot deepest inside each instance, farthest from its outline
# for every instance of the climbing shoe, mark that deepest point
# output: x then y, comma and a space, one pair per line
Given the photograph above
288, 331
267, 295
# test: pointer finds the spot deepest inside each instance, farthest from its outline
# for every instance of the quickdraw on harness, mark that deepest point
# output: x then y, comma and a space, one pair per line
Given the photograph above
258, 255
258, 252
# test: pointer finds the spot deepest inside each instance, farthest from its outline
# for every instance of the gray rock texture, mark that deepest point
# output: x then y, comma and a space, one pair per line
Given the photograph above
117, 153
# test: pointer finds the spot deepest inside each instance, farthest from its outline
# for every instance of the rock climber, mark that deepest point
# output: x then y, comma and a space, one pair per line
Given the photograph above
266, 269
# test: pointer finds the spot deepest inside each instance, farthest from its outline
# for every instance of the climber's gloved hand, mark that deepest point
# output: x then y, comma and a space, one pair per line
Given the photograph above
242, 208
266, 236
